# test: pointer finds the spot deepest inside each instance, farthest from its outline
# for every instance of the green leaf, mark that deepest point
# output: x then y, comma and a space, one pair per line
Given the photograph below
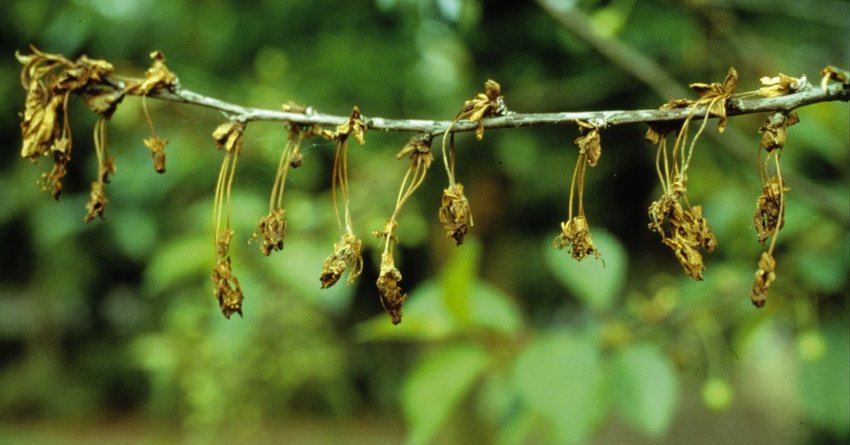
596, 282
494, 310
436, 386
458, 276
179, 260
824, 386
560, 378
646, 388
425, 319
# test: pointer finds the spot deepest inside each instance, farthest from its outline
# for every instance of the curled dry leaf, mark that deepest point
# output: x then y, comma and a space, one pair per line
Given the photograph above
97, 201
391, 294
575, 236
419, 149
768, 217
346, 255
228, 136
764, 277
354, 126
455, 214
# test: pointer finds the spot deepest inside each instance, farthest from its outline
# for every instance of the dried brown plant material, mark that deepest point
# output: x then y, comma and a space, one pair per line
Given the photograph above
685, 231
830, 72
589, 143
770, 209
714, 96
97, 202
157, 147
455, 214
354, 126
764, 277
227, 290
391, 294
781, 85
486, 104
346, 256
271, 229
774, 132
575, 236
158, 76
228, 137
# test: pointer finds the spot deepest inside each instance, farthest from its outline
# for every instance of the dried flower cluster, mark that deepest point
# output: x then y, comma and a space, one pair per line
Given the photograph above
683, 228
769, 216
228, 137
575, 232
346, 253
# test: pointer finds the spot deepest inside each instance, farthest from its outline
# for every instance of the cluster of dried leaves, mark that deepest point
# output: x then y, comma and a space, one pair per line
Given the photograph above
575, 232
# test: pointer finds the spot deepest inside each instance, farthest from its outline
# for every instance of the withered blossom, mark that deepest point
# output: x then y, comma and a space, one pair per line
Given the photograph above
769, 215
830, 72
714, 96
271, 229
764, 277
575, 236
685, 231
486, 104
391, 294
346, 256
781, 85
157, 147
227, 290
455, 214
774, 132
589, 143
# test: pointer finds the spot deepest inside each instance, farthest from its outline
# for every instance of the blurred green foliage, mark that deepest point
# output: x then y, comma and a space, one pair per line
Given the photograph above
111, 326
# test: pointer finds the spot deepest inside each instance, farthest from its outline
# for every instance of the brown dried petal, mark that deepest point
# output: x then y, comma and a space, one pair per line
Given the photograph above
774, 132
455, 214
764, 277
590, 144
157, 76
346, 256
419, 150
391, 294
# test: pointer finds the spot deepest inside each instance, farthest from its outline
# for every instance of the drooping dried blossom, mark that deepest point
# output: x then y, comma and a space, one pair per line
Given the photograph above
346, 256
770, 209
228, 136
271, 229
685, 231
157, 147
158, 76
354, 126
455, 214
764, 277
575, 236
391, 294
106, 167
227, 290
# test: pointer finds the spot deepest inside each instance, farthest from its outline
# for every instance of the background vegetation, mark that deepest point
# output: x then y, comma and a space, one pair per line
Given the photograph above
108, 331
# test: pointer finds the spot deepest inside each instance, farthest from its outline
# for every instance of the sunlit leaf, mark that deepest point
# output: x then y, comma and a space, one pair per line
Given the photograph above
436, 386
560, 377
646, 388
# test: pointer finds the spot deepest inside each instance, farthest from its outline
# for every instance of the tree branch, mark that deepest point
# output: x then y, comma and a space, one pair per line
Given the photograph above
602, 119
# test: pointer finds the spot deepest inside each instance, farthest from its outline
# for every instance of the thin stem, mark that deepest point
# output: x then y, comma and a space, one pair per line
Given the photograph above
781, 203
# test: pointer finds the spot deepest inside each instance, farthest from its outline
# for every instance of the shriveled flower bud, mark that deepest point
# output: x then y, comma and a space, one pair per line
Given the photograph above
455, 214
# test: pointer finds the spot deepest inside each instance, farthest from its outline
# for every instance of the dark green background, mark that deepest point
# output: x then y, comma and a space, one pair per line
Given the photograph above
109, 332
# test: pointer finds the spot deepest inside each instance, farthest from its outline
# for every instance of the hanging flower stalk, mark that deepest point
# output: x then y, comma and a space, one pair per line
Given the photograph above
157, 77
392, 296
346, 253
769, 216
683, 228
575, 232
228, 292
271, 229
455, 214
